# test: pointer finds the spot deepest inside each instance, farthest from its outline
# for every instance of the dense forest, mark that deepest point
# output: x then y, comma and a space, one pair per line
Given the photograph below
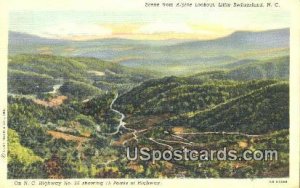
64, 118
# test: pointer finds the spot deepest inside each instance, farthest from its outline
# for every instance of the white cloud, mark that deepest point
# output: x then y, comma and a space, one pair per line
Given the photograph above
80, 30
153, 28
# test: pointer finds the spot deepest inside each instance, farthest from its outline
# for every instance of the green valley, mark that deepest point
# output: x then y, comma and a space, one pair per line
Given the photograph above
72, 114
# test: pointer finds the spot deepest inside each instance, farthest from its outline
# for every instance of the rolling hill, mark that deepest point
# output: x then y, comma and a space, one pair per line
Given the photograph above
276, 68
248, 98
40, 73
260, 111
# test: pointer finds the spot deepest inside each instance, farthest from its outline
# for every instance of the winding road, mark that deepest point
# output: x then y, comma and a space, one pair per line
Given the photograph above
221, 133
162, 144
121, 122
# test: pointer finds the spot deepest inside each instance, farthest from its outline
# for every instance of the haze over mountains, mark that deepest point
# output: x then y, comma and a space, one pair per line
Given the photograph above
166, 56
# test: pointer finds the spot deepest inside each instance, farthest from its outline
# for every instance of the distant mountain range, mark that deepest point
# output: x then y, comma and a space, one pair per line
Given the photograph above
244, 39
16, 38
167, 57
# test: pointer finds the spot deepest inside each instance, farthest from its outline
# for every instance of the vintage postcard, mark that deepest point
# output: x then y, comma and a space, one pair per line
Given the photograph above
158, 93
